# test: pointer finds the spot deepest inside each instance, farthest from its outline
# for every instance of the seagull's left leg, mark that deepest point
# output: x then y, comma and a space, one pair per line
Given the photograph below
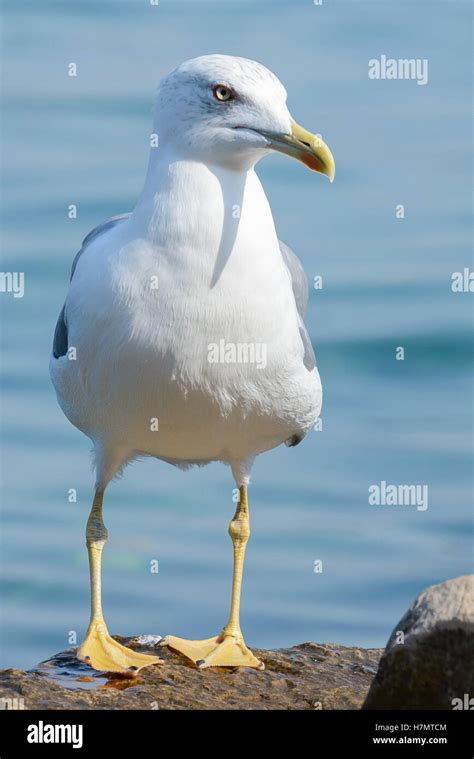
99, 649
227, 649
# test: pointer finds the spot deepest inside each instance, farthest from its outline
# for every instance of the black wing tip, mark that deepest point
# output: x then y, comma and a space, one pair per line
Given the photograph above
60, 341
294, 440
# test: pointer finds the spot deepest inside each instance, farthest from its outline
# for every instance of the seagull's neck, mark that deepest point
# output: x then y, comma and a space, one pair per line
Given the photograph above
188, 208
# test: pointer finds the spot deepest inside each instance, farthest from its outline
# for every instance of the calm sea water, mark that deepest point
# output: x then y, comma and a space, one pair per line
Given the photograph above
386, 283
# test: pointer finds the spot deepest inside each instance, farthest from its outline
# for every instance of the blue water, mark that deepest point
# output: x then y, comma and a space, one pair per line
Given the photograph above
386, 283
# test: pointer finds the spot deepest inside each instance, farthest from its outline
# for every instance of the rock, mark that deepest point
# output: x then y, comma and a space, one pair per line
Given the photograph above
429, 658
308, 676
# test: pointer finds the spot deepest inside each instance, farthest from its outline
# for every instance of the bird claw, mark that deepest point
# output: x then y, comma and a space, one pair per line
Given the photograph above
220, 651
100, 651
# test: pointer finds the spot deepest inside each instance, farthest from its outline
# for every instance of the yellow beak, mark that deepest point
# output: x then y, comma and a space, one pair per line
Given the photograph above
306, 147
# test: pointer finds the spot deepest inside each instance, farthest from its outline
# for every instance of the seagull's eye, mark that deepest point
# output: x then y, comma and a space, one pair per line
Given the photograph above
222, 92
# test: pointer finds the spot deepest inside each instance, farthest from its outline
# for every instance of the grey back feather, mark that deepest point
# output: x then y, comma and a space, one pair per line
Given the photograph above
299, 285
299, 281
60, 340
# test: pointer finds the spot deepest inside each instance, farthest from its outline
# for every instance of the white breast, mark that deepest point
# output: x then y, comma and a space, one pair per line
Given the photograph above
195, 275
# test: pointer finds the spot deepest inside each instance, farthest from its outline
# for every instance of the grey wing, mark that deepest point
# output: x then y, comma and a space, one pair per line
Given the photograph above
298, 277
299, 284
60, 340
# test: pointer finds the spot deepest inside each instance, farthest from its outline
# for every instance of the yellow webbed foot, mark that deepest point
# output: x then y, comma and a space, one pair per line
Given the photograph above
220, 651
102, 652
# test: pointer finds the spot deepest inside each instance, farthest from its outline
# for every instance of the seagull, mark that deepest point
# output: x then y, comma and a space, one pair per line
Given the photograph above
182, 333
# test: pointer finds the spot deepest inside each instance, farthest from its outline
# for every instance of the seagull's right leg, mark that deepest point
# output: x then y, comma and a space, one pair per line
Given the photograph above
99, 649
228, 649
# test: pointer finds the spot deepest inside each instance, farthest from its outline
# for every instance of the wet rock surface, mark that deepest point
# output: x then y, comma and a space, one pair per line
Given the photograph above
307, 676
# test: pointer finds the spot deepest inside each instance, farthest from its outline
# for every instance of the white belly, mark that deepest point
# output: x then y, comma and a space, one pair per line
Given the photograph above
200, 382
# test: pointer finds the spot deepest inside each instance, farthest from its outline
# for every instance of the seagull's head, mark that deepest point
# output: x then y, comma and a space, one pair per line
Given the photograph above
230, 111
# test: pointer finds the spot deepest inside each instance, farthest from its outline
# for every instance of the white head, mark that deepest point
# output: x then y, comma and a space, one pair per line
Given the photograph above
230, 111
